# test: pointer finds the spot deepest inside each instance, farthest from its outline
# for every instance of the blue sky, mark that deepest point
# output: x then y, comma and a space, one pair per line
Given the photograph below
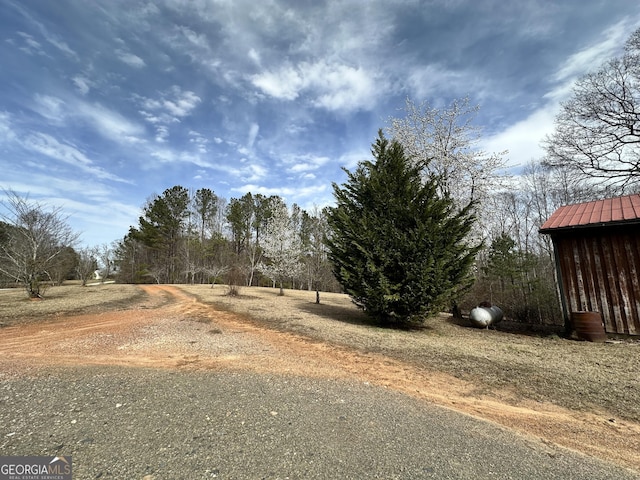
105, 103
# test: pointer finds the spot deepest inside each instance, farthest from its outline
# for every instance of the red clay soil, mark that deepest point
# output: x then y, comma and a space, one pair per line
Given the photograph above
187, 334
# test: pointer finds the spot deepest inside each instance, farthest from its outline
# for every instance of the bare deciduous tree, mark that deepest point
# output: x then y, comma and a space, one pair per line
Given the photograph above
38, 235
597, 131
106, 254
87, 264
214, 272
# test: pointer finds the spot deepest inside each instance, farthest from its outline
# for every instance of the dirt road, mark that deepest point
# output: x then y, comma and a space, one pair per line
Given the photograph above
172, 330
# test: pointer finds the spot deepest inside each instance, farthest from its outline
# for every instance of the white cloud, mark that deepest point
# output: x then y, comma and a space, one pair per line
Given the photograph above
109, 123
332, 86
83, 84
130, 59
426, 81
522, 139
172, 105
350, 160
300, 192
6, 131
31, 45
303, 167
254, 172
35, 186
169, 108
105, 121
47, 145
49, 185
294, 129
198, 40
50, 107
195, 45
180, 103
51, 38
253, 133
59, 44
306, 163
199, 141
311, 191
169, 155
284, 84
162, 132
156, 119
254, 56
345, 88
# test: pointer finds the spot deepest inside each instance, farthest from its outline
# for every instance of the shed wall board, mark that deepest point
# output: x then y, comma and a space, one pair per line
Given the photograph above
599, 268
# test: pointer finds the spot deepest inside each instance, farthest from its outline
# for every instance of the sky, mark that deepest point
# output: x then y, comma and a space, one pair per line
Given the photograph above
104, 104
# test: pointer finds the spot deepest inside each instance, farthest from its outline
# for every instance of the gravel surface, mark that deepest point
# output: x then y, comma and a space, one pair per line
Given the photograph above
127, 423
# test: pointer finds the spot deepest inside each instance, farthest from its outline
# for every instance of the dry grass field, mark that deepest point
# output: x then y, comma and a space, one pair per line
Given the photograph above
68, 299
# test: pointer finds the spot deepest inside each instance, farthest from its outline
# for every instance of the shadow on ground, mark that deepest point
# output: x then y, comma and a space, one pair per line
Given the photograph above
358, 317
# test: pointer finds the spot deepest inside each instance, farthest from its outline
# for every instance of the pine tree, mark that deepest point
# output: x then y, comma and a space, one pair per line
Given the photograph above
162, 230
397, 247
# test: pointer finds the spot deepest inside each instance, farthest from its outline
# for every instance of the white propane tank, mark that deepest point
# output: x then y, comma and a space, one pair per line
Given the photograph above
482, 317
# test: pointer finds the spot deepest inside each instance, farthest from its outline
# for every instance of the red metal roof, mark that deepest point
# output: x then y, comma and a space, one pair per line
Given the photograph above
609, 210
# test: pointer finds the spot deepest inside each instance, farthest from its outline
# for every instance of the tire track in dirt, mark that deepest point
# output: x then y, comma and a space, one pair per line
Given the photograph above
187, 334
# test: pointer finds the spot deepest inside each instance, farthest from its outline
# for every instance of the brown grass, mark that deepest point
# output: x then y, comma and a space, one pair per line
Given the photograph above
67, 299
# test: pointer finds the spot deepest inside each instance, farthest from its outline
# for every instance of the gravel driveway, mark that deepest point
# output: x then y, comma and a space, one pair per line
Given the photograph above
133, 423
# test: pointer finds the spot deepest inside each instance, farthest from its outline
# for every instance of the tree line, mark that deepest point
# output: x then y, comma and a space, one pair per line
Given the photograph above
197, 236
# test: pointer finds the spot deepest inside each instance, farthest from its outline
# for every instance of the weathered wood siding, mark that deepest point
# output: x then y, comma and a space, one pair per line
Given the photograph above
599, 270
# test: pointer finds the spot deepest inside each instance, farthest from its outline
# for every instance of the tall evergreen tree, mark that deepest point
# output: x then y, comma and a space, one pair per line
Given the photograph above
162, 229
397, 247
205, 204
239, 217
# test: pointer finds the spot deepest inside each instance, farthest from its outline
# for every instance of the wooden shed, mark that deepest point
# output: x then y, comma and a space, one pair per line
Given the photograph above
597, 251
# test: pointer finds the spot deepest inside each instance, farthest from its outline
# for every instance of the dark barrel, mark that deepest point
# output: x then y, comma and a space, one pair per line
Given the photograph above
589, 326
